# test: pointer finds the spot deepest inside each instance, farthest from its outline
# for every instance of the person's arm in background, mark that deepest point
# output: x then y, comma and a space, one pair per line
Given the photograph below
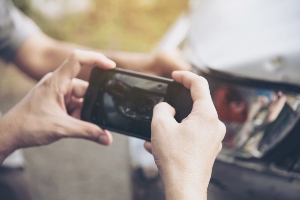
51, 110
41, 54
185, 152
36, 53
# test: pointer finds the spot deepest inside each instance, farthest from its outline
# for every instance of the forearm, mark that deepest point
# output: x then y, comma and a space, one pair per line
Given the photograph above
183, 180
41, 54
181, 185
7, 142
182, 192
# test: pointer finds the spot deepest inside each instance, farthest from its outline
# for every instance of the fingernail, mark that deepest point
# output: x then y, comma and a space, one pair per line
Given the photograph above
103, 139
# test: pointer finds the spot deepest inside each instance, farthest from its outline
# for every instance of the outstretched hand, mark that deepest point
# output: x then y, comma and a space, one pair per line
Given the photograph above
165, 62
185, 152
51, 110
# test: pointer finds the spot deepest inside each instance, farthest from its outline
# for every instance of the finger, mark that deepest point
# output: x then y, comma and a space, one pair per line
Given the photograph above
197, 84
163, 111
79, 58
79, 87
222, 130
80, 129
106, 138
173, 59
74, 107
220, 148
181, 64
148, 147
163, 117
200, 94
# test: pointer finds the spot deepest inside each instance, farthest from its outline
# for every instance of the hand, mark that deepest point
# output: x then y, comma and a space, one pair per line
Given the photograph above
51, 110
161, 63
165, 62
185, 152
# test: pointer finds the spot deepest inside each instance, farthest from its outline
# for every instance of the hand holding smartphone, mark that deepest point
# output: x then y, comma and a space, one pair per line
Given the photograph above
122, 100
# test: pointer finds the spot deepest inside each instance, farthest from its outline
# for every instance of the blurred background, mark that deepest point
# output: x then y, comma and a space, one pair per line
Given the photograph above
76, 169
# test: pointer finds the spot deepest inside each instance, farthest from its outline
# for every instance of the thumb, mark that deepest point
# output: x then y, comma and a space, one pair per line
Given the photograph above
80, 129
162, 111
78, 59
148, 147
163, 117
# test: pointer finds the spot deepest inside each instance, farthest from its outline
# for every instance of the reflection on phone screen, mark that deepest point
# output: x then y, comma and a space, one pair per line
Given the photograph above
127, 101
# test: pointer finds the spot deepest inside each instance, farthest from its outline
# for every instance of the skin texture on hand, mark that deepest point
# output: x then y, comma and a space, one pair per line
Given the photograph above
185, 152
51, 110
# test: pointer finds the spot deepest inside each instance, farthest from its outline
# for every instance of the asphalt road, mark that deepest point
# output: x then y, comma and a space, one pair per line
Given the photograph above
76, 169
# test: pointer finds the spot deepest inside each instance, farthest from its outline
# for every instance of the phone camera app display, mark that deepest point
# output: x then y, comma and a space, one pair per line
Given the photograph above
134, 97
130, 100
122, 100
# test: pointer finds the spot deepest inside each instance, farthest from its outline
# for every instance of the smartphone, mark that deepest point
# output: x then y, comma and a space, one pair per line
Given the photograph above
122, 100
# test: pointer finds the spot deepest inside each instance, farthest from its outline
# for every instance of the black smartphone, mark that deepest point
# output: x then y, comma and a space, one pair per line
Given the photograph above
122, 100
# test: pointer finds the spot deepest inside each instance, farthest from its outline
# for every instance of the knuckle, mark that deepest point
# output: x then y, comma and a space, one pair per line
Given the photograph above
158, 120
159, 106
101, 55
161, 129
89, 133
222, 130
46, 80
48, 75
220, 147
202, 81
75, 54
159, 123
60, 131
212, 116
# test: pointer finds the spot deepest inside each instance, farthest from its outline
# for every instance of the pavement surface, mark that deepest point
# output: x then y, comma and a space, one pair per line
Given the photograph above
75, 170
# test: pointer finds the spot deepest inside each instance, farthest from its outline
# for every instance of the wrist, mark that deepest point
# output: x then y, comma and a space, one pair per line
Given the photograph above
184, 184
181, 191
7, 142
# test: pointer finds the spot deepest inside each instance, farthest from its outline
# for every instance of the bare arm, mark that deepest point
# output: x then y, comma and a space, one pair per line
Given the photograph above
41, 54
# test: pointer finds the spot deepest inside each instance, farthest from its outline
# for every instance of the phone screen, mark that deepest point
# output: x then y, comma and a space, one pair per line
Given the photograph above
124, 102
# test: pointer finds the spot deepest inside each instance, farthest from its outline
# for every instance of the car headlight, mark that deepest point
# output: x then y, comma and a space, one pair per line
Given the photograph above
258, 115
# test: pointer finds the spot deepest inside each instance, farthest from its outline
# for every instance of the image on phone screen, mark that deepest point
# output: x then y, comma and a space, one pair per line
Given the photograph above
124, 103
